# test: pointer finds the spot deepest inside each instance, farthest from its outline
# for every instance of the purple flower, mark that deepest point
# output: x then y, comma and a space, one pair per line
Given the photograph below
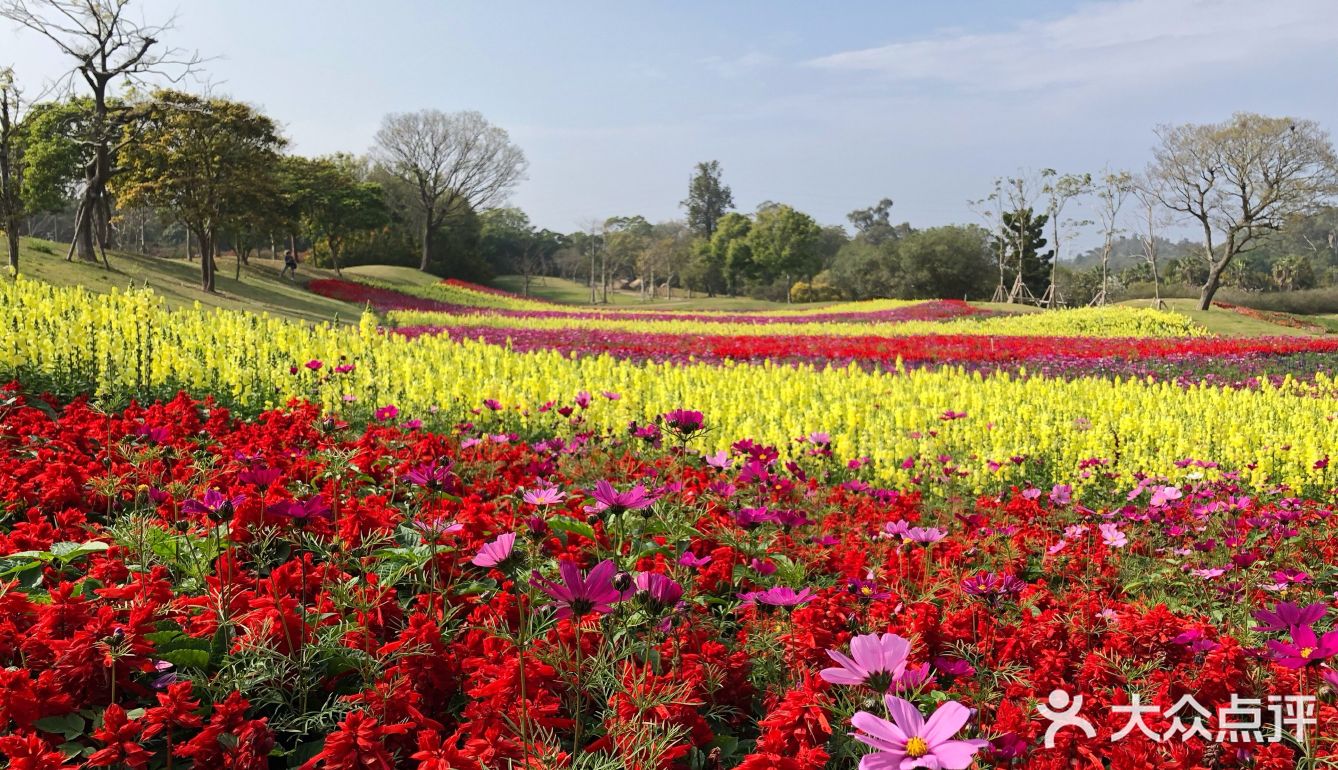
301, 511
780, 596
387, 412
925, 535
495, 552
1062, 494
213, 504
1286, 616
762, 567
1305, 649
579, 596
992, 587
684, 422
751, 517
866, 590
607, 498
875, 661
260, 477
690, 559
152, 434
908, 741
663, 591
954, 667
431, 475
314, 365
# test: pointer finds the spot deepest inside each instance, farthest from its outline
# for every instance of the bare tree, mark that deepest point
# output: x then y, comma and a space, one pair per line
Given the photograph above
107, 47
448, 158
1241, 179
1060, 190
1153, 217
1112, 192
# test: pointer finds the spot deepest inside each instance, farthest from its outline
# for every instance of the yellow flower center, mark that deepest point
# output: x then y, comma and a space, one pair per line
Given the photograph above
1305, 651
917, 747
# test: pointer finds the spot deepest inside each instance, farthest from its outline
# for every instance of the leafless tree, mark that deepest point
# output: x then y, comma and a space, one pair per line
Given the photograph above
1241, 179
1113, 189
1152, 216
108, 46
448, 158
1060, 190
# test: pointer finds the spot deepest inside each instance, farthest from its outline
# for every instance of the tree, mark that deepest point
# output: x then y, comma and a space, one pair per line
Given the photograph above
874, 225
1060, 190
787, 243
1151, 221
1112, 191
511, 244
1241, 179
863, 270
200, 161
447, 158
950, 261
332, 202
708, 199
1020, 242
108, 47
12, 203
731, 249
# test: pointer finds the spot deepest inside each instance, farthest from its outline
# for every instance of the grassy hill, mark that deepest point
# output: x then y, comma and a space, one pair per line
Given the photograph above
260, 289
576, 293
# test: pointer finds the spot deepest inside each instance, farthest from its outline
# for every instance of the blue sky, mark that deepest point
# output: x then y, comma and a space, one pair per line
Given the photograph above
828, 107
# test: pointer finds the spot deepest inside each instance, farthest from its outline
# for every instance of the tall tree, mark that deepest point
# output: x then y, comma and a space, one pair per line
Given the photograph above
12, 204
200, 160
1060, 190
108, 47
448, 158
1241, 179
787, 243
708, 199
874, 224
334, 203
1022, 240
731, 250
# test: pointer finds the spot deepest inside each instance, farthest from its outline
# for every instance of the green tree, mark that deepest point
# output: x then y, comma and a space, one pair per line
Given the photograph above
874, 225
708, 199
945, 262
731, 250
1021, 239
199, 160
12, 166
786, 243
865, 270
333, 202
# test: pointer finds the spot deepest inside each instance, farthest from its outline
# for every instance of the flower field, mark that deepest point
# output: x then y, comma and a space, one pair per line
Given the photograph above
487, 532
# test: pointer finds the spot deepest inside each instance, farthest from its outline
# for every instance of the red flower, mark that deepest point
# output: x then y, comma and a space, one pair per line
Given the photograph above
175, 709
432, 754
358, 744
120, 738
29, 752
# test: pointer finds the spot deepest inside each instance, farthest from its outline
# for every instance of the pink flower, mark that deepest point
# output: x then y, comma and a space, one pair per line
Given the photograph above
495, 552
1112, 536
1062, 494
1163, 495
580, 596
875, 660
690, 559
607, 498
544, 496
387, 412
907, 741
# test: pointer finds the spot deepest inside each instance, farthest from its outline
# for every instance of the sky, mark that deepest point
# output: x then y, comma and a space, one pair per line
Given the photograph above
825, 106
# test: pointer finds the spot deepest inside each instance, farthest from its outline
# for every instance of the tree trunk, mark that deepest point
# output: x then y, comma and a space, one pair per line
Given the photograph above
12, 236
333, 245
207, 262
188, 254
1210, 287
427, 242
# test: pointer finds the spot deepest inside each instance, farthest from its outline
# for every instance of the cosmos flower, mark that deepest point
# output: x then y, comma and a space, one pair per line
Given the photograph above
1305, 648
608, 498
685, 422
495, 552
213, 504
875, 661
577, 595
662, 590
1285, 616
780, 596
908, 741
544, 496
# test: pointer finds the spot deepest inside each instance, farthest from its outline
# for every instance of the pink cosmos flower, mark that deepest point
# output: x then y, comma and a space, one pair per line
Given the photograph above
780, 596
1112, 536
495, 552
579, 596
690, 559
387, 412
544, 496
1062, 494
607, 498
213, 503
907, 741
662, 590
875, 660
720, 460
1305, 648
1163, 495
1285, 616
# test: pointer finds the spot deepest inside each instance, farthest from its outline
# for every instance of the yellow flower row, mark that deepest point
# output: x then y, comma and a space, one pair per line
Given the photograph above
127, 344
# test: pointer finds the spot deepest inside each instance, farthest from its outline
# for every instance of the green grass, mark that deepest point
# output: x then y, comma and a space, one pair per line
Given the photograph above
392, 274
260, 289
1226, 322
566, 292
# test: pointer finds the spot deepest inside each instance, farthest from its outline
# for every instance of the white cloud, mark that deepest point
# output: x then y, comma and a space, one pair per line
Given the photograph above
1110, 44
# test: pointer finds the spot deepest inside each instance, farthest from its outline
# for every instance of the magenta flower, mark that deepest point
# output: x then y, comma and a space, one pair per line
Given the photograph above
992, 587
301, 511
214, 504
387, 412
875, 660
1285, 616
690, 559
907, 741
662, 590
607, 498
685, 422
579, 596
431, 475
924, 535
1163, 495
544, 496
495, 552
866, 590
1062, 494
314, 365
780, 596
1305, 649
261, 477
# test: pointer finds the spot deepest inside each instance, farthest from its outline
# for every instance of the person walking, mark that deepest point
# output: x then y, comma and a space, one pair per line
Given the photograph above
289, 264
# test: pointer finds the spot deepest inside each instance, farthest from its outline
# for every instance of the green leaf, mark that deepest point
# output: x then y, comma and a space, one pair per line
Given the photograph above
68, 726
570, 525
186, 658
